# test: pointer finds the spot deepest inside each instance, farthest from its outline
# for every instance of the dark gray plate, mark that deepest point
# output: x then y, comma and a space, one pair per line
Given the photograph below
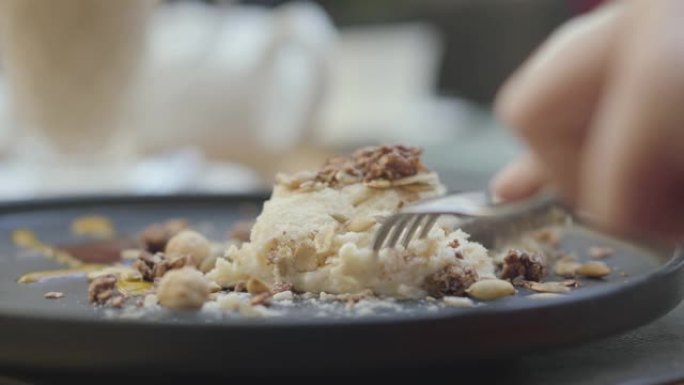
70, 334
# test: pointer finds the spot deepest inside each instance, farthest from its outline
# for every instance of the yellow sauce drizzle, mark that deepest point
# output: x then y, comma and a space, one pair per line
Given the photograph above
47, 274
95, 226
27, 239
133, 288
129, 283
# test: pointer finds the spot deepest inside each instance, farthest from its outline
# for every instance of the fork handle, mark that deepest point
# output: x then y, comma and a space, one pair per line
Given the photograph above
477, 204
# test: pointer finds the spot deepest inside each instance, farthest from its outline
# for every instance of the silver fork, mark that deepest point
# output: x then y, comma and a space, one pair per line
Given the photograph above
421, 217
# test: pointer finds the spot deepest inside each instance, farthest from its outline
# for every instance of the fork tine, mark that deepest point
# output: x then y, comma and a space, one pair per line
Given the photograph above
383, 232
412, 229
399, 227
428, 225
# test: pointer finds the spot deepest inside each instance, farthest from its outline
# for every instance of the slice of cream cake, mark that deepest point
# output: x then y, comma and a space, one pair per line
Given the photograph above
316, 231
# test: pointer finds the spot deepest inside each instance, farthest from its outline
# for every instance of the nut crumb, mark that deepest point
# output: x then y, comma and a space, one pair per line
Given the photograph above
517, 263
154, 266
451, 280
155, 237
54, 295
550, 237
548, 287
102, 290
600, 252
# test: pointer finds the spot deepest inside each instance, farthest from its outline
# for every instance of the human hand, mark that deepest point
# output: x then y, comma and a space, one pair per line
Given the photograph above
600, 106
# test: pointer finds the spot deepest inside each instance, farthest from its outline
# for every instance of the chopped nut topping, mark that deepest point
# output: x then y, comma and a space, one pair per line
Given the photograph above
454, 244
54, 295
450, 280
518, 263
156, 236
153, 266
378, 163
102, 291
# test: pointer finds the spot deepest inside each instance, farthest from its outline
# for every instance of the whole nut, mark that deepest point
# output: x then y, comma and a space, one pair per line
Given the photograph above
490, 289
191, 244
593, 269
184, 288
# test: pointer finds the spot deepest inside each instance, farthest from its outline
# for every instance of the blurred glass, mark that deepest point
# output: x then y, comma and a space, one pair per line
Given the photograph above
69, 63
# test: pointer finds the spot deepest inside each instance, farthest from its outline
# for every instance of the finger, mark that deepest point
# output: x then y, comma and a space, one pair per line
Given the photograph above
550, 101
633, 178
518, 180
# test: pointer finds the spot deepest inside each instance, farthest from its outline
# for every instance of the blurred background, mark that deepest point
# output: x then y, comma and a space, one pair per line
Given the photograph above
158, 97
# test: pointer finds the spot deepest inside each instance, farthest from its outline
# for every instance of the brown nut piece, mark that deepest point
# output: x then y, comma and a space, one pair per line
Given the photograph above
518, 263
184, 288
191, 244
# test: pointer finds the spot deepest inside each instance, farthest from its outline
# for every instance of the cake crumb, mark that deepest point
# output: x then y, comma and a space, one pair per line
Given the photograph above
286, 295
453, 301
